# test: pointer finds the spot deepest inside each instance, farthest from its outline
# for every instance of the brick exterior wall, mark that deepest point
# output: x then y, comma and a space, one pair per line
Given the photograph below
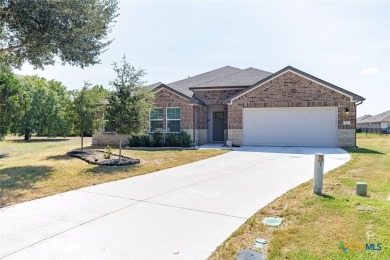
286, 90
101, 138
201, 117
165, 98
200, 113
215, 97
292, 90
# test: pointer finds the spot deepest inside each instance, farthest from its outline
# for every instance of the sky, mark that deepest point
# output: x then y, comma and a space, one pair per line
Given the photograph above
345, 43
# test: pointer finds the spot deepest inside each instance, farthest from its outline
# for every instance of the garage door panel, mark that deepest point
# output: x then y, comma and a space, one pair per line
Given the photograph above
314, 126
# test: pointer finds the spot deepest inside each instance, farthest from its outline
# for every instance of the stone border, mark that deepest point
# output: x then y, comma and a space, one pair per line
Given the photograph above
90, 156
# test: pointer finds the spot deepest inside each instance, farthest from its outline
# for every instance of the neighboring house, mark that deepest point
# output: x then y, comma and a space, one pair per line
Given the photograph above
254, 107
378, 123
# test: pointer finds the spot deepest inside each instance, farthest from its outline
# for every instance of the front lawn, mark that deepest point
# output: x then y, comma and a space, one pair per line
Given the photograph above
41, 167
314, 226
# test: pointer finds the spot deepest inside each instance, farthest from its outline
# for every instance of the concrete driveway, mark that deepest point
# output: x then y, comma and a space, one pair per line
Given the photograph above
179, 213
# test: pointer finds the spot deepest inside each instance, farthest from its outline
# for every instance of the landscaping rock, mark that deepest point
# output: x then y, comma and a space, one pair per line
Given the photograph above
366, 208
3, 155
100, 158
247, 254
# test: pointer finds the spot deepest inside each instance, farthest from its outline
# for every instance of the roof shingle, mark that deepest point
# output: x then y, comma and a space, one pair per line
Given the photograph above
243, 78
184, 85
234, 77
381, 117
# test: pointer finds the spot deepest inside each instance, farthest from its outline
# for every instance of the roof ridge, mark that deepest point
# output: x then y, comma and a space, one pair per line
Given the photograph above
205, 73
241, 70
232, 74
258, 69
381, 113
302, 73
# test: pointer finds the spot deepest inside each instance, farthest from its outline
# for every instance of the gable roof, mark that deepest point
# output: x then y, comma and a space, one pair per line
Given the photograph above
155, 85
353, 96
158, 86
360, 118
242, 78
230, 77
381, 117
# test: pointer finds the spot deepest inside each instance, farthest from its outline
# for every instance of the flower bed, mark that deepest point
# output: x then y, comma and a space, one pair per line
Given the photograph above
101, 158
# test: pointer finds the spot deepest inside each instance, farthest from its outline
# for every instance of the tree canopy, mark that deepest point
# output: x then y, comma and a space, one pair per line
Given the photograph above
9, 101
38, 31
87, 103
129, 103
42, 108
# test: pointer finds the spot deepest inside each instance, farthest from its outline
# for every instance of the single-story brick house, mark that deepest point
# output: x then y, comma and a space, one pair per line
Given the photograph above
378, 123
254, 107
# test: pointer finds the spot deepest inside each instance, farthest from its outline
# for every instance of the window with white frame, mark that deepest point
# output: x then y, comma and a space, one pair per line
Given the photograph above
173, 119
156, 120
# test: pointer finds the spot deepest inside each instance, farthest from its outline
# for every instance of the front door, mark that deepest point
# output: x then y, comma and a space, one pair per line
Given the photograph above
218, 126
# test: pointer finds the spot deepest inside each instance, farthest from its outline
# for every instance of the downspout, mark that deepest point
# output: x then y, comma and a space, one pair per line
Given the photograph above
193, 125
356, 104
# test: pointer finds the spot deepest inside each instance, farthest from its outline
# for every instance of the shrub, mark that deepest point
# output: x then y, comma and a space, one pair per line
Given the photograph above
158, 139
184, 139
135, 141
172, 140
142, 140
145, 140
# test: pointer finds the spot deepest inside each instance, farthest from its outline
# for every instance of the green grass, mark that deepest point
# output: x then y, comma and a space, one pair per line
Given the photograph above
313, 226
41, 167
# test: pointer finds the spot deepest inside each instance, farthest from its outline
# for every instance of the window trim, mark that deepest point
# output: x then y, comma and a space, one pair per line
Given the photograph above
166, 120
150, 120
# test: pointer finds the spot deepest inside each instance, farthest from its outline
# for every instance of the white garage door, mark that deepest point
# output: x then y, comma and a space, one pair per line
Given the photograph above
290, 126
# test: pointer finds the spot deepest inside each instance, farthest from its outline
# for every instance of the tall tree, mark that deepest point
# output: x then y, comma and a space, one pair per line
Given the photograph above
42, 108
56, 121
86, 106
38, 31
129, 103
9, 101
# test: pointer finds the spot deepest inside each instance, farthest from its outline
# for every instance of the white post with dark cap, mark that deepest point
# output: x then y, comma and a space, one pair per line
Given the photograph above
318, 173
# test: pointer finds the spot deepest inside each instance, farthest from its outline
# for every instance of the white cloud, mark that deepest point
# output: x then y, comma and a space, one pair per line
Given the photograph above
369, 71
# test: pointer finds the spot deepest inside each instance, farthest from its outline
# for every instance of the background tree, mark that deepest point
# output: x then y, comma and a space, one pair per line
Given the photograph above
129, 103
9, 101
38, 31
86, 107
42, 106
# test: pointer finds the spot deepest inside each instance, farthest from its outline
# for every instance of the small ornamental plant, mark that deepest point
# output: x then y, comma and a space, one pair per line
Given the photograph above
109, 151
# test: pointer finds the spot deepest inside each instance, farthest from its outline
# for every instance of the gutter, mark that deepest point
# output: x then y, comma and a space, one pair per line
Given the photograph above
193, 126
356, 104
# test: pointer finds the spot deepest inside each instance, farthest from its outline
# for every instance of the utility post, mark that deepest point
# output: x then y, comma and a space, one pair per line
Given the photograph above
318, 173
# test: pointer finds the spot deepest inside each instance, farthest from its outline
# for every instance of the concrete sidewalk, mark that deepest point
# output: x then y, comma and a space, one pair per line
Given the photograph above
179, 213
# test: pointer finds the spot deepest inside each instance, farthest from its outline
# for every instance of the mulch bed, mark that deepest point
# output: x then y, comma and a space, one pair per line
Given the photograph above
3, 155
98, 157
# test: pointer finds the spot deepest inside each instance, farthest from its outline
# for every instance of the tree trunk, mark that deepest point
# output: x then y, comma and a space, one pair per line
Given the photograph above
26, 135
120, 150
82, 142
